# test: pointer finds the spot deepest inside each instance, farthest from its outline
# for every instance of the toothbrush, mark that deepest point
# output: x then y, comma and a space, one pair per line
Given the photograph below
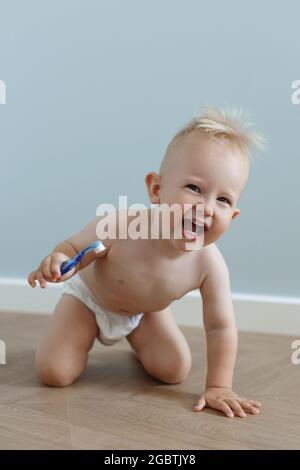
71, 263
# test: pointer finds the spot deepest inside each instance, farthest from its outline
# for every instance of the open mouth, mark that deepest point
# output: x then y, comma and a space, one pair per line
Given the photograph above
193, 229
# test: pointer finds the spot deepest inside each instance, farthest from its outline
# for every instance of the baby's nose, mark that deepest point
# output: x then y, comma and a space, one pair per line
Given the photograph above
208, 209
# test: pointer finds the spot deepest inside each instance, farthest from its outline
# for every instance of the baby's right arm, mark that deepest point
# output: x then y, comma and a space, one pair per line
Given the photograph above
49, 268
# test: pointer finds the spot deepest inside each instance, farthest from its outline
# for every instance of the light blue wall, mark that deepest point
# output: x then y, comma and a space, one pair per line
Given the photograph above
95, 91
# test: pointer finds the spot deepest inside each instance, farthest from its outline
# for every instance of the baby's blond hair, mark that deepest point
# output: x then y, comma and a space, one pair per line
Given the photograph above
232, 124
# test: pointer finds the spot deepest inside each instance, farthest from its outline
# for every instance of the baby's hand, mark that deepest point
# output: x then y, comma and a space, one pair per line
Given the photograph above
49, 270
226, 400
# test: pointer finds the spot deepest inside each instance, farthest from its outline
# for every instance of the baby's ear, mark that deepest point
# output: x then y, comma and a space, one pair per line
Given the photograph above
235, 213
152, 181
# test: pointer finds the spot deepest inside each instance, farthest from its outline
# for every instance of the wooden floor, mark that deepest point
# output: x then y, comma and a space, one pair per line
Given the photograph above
116, 405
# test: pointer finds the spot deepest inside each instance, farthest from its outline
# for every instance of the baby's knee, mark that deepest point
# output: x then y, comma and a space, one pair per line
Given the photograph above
55, 373
173, 368
178, 371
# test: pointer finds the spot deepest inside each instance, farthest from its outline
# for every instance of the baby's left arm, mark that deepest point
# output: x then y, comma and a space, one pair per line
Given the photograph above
221, 336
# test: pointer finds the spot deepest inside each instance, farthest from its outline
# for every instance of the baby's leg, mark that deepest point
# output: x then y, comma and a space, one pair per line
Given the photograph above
62, 355
161, 347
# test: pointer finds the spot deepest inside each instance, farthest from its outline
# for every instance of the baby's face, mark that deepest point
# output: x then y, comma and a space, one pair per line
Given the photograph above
203, 170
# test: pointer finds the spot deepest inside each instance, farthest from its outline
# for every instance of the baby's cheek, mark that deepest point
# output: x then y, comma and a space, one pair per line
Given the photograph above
225, 224
225, 221
222, 225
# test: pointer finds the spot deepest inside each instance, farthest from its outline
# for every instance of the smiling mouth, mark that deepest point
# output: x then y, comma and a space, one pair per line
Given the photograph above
192, 229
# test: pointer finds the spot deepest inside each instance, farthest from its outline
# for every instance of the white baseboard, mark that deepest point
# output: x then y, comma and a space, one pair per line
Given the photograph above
263, 314
17, 296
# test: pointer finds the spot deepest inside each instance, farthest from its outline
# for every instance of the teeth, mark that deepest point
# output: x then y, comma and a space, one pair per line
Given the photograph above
193, 226
201, 225
197, 222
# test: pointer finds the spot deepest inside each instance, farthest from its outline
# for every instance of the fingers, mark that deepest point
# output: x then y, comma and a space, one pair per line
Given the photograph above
200, 404
51, 269
236, 407
239, 406
222, 406
37, 276
254, 403
55, 269
230, 407
31, 279
40, 278
219, 405
246, 405
233, 406
46, 268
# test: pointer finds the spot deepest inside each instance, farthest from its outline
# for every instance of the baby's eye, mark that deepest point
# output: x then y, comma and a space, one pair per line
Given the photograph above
193, 187
225, 200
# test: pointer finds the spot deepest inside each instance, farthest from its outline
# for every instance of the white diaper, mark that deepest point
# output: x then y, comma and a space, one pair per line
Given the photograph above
113, 327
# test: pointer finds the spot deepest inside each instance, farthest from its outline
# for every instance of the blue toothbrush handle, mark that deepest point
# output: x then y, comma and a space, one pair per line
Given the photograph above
71, 263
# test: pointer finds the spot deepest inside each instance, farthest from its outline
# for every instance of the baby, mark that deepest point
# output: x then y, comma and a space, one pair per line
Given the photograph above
126, 289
